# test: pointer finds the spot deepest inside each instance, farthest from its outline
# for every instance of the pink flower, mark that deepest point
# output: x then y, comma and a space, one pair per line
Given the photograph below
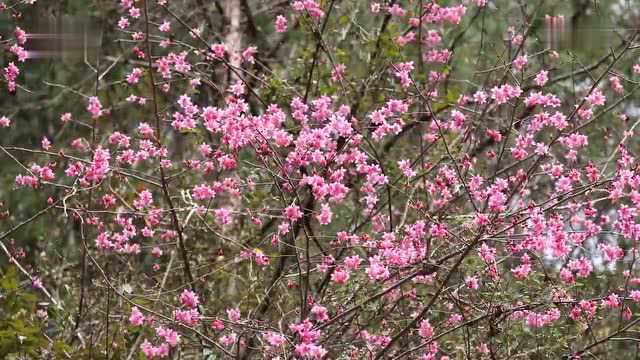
5, 121
437, 56
145, 130
502, 94
520, 62
155, 352
136, 318
517, 40
27, 180
521, 271
189, 317
425, 330
134, 76
582, 266
108, 200
612, 301
340, 276
66, 117
397, 10
227, 162
472, 282
233, 314
403, 40
11, 72
218, 50
261, 259
274, 339
229, 339
535, 320
320, 313
156, 251
292, 213
189, 299
324, 218
616, 85
134, 12
377, 270
123, 23
338, 72
203, 192
454, 319
248, 55
352, 262
567, 276
281, 24
308, 6
480, 97
223, 216
170, 336
99, 166
165, 26
458, 119
20, 52
94, 107
145, 199
217, 325
403, 72
36, 283
542, 78
405, 167
21, 35
310, 351
596, 98
611, 252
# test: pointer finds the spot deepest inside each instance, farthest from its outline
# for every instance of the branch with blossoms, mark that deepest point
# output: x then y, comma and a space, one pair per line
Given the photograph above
319, 180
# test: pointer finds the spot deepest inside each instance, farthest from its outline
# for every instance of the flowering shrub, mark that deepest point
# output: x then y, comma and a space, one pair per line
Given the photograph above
320, 179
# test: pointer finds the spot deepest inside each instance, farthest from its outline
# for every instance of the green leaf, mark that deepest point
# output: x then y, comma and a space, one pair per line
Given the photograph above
9, 280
